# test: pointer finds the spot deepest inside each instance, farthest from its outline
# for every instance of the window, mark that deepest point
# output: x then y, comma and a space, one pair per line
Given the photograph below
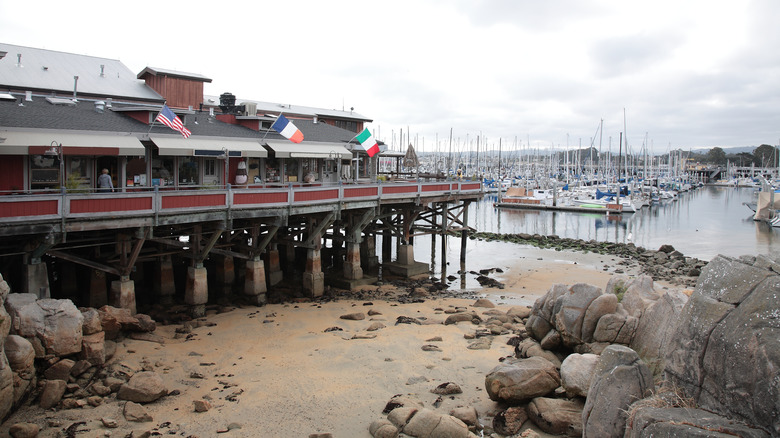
347, 124
162, 171
44, 172
136, 172
188, 171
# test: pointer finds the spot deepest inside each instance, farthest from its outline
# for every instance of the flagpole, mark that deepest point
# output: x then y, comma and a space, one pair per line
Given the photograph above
269, 130
151, 125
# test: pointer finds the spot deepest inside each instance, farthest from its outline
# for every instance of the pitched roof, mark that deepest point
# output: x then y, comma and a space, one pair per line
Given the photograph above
154, 71
27, 68
39, 113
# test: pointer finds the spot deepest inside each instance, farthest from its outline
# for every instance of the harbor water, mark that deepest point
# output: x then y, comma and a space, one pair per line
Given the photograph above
701, 223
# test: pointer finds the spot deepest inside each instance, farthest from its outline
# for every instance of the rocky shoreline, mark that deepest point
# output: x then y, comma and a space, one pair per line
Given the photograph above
665, 264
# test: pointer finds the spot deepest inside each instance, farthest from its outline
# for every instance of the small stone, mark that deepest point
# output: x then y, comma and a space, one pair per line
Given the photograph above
430, 348
94, 400
136, 412
109, 422
354, 316
201, 405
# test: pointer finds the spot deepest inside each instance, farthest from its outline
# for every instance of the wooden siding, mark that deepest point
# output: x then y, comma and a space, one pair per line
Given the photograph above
399, 189
11, 173
435, 187
178, 92
29, 208
317, 195
360, 192
110, 204
259, 198
190, 201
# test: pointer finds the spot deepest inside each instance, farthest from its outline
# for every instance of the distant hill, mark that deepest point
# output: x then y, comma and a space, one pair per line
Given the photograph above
728, 151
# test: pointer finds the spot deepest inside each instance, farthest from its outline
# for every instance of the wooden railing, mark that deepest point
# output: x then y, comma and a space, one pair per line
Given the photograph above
27, 208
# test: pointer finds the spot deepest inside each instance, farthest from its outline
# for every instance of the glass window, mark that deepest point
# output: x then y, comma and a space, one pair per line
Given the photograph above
291, 170
44, 172
188, 171
136, 172
162, 171
272, 170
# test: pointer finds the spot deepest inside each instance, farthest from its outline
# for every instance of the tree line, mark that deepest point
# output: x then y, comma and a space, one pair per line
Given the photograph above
762, 156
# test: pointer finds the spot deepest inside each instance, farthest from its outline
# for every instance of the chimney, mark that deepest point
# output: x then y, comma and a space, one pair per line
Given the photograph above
109, 102
75, 87
100, 106
28, 96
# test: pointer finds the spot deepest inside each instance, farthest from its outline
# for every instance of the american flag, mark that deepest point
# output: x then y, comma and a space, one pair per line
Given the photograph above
171, 120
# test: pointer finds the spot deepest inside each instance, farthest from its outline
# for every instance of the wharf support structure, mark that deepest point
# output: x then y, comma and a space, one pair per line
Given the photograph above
196, 246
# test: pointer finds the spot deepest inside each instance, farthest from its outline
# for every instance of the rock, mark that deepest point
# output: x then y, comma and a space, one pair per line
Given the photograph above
577, 373
20, 353
557, 416
460, 317
143, 387
201, 405
523, 380
541, 320
100, 389
382, 429
429, 424
619, 379
467, 415
24, 430
687, 422
60, 370
602, 305
93, 348
519, 312
447, 388
551, 340
354, 316
53, 390
91, 324
148, 337
136, 413
731, 317
484, 302
480, 344
639, 295
55, 323
113, 383
80, 367
401, 415
656, 328
569, 312
615, 328
530, 348
400, 401
375, 326
509, 421
109, 423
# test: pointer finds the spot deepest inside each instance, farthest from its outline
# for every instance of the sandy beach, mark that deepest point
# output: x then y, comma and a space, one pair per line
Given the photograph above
277, 371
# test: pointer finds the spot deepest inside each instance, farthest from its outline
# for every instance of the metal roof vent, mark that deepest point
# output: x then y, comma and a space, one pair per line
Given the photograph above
28, 96
19, 60
100, 106
75, 87
102, 70
109, 102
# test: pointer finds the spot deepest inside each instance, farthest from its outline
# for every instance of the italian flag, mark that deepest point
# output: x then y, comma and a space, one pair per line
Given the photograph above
368, 142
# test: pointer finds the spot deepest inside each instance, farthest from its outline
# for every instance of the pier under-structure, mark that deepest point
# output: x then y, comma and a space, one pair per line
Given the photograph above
193, 247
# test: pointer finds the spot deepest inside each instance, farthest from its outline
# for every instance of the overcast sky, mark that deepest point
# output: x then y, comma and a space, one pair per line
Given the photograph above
686, 73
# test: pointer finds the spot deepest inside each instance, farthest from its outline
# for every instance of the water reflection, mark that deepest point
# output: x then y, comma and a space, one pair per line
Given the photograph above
702, 223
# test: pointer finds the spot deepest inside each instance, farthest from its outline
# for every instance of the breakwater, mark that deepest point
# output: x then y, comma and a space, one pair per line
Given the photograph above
664, 264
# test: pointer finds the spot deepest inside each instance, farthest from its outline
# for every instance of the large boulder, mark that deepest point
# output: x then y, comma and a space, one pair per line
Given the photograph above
639, 294
557, 416
577, 373
731, 319
620, 379
20, 353
426, 423
56, 324
522, 380
654, 422
615, 328
656, 327
569, 312
602, 305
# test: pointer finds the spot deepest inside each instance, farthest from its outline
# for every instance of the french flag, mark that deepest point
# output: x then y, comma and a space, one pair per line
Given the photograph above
287, 129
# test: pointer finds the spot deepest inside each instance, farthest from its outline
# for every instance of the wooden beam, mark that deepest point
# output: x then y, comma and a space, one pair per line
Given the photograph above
83, 261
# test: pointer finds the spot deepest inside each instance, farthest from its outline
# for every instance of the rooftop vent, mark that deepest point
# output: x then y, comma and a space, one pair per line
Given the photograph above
19, 60
227, 103
102, 70
100, 106
60, 101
